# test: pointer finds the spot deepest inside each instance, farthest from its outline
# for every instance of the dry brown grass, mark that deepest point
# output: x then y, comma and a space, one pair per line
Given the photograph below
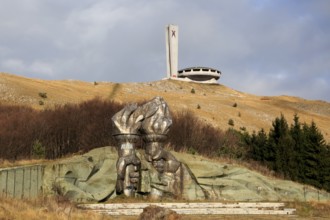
57, 208
312, 209
26, 162
43, 208
7, 163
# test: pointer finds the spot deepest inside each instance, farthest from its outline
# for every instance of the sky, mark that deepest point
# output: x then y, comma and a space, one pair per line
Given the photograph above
262, 47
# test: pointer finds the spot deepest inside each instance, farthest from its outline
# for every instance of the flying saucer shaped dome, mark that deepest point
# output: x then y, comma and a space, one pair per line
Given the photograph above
199, 73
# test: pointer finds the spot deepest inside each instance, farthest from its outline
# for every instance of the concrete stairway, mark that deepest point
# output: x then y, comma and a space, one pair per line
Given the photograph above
194, 208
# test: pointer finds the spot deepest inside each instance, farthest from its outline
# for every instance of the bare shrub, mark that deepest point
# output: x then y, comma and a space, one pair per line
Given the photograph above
73, 128
16, 131
78, 128
63, 130
190, 134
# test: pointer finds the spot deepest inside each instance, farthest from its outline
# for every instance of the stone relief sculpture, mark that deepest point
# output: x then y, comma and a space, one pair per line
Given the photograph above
153, 172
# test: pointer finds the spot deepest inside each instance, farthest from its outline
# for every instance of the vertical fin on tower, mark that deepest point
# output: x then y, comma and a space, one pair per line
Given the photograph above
172, 50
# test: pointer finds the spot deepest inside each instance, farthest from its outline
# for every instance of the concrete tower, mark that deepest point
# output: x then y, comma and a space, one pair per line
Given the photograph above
172, 50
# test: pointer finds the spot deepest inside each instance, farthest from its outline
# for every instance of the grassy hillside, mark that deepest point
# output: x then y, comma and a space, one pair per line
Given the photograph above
215, 104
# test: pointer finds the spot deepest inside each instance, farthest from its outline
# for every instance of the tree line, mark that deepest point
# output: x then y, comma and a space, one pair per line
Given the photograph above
297, 151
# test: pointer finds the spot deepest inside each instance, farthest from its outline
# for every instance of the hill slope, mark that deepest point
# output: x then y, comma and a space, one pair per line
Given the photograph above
212, 103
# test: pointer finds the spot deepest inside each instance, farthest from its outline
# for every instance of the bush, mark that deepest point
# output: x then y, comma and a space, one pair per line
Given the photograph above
43, 95
38, 151
192, 91
235, 105
231, 122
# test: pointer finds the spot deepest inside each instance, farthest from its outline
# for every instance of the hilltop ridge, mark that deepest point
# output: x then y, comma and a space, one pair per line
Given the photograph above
215, 104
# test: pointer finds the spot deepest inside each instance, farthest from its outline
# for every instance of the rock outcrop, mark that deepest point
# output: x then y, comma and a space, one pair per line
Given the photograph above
158, 213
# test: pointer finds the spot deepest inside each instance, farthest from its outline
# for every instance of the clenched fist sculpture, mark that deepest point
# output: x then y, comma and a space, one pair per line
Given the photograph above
152, 121
126, 125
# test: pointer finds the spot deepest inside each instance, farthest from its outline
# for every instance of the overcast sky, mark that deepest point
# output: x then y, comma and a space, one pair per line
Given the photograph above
263, 47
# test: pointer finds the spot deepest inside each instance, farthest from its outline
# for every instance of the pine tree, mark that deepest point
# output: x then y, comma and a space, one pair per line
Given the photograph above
282, 144
296, 133
312, 155
325, 168
260, 148
299, 152
266, 152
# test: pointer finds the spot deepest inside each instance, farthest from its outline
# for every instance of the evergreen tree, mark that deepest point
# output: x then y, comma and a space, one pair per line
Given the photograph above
282, 145
298, 141
299, 152
259, 144
325, 168
266, 153
312, 155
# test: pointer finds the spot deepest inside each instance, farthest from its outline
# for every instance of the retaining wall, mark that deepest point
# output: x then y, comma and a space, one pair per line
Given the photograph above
21, 182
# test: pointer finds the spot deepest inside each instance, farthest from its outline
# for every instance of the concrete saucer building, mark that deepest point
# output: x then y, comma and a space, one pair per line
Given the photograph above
199, 73
195, 74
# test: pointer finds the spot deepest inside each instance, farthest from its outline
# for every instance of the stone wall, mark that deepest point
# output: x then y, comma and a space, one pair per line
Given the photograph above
21, 182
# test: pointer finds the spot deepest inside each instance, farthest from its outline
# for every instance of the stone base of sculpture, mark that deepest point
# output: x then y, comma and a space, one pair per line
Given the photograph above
92, 178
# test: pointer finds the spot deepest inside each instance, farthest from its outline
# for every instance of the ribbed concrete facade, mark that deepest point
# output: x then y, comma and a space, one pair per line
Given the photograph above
21, 182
